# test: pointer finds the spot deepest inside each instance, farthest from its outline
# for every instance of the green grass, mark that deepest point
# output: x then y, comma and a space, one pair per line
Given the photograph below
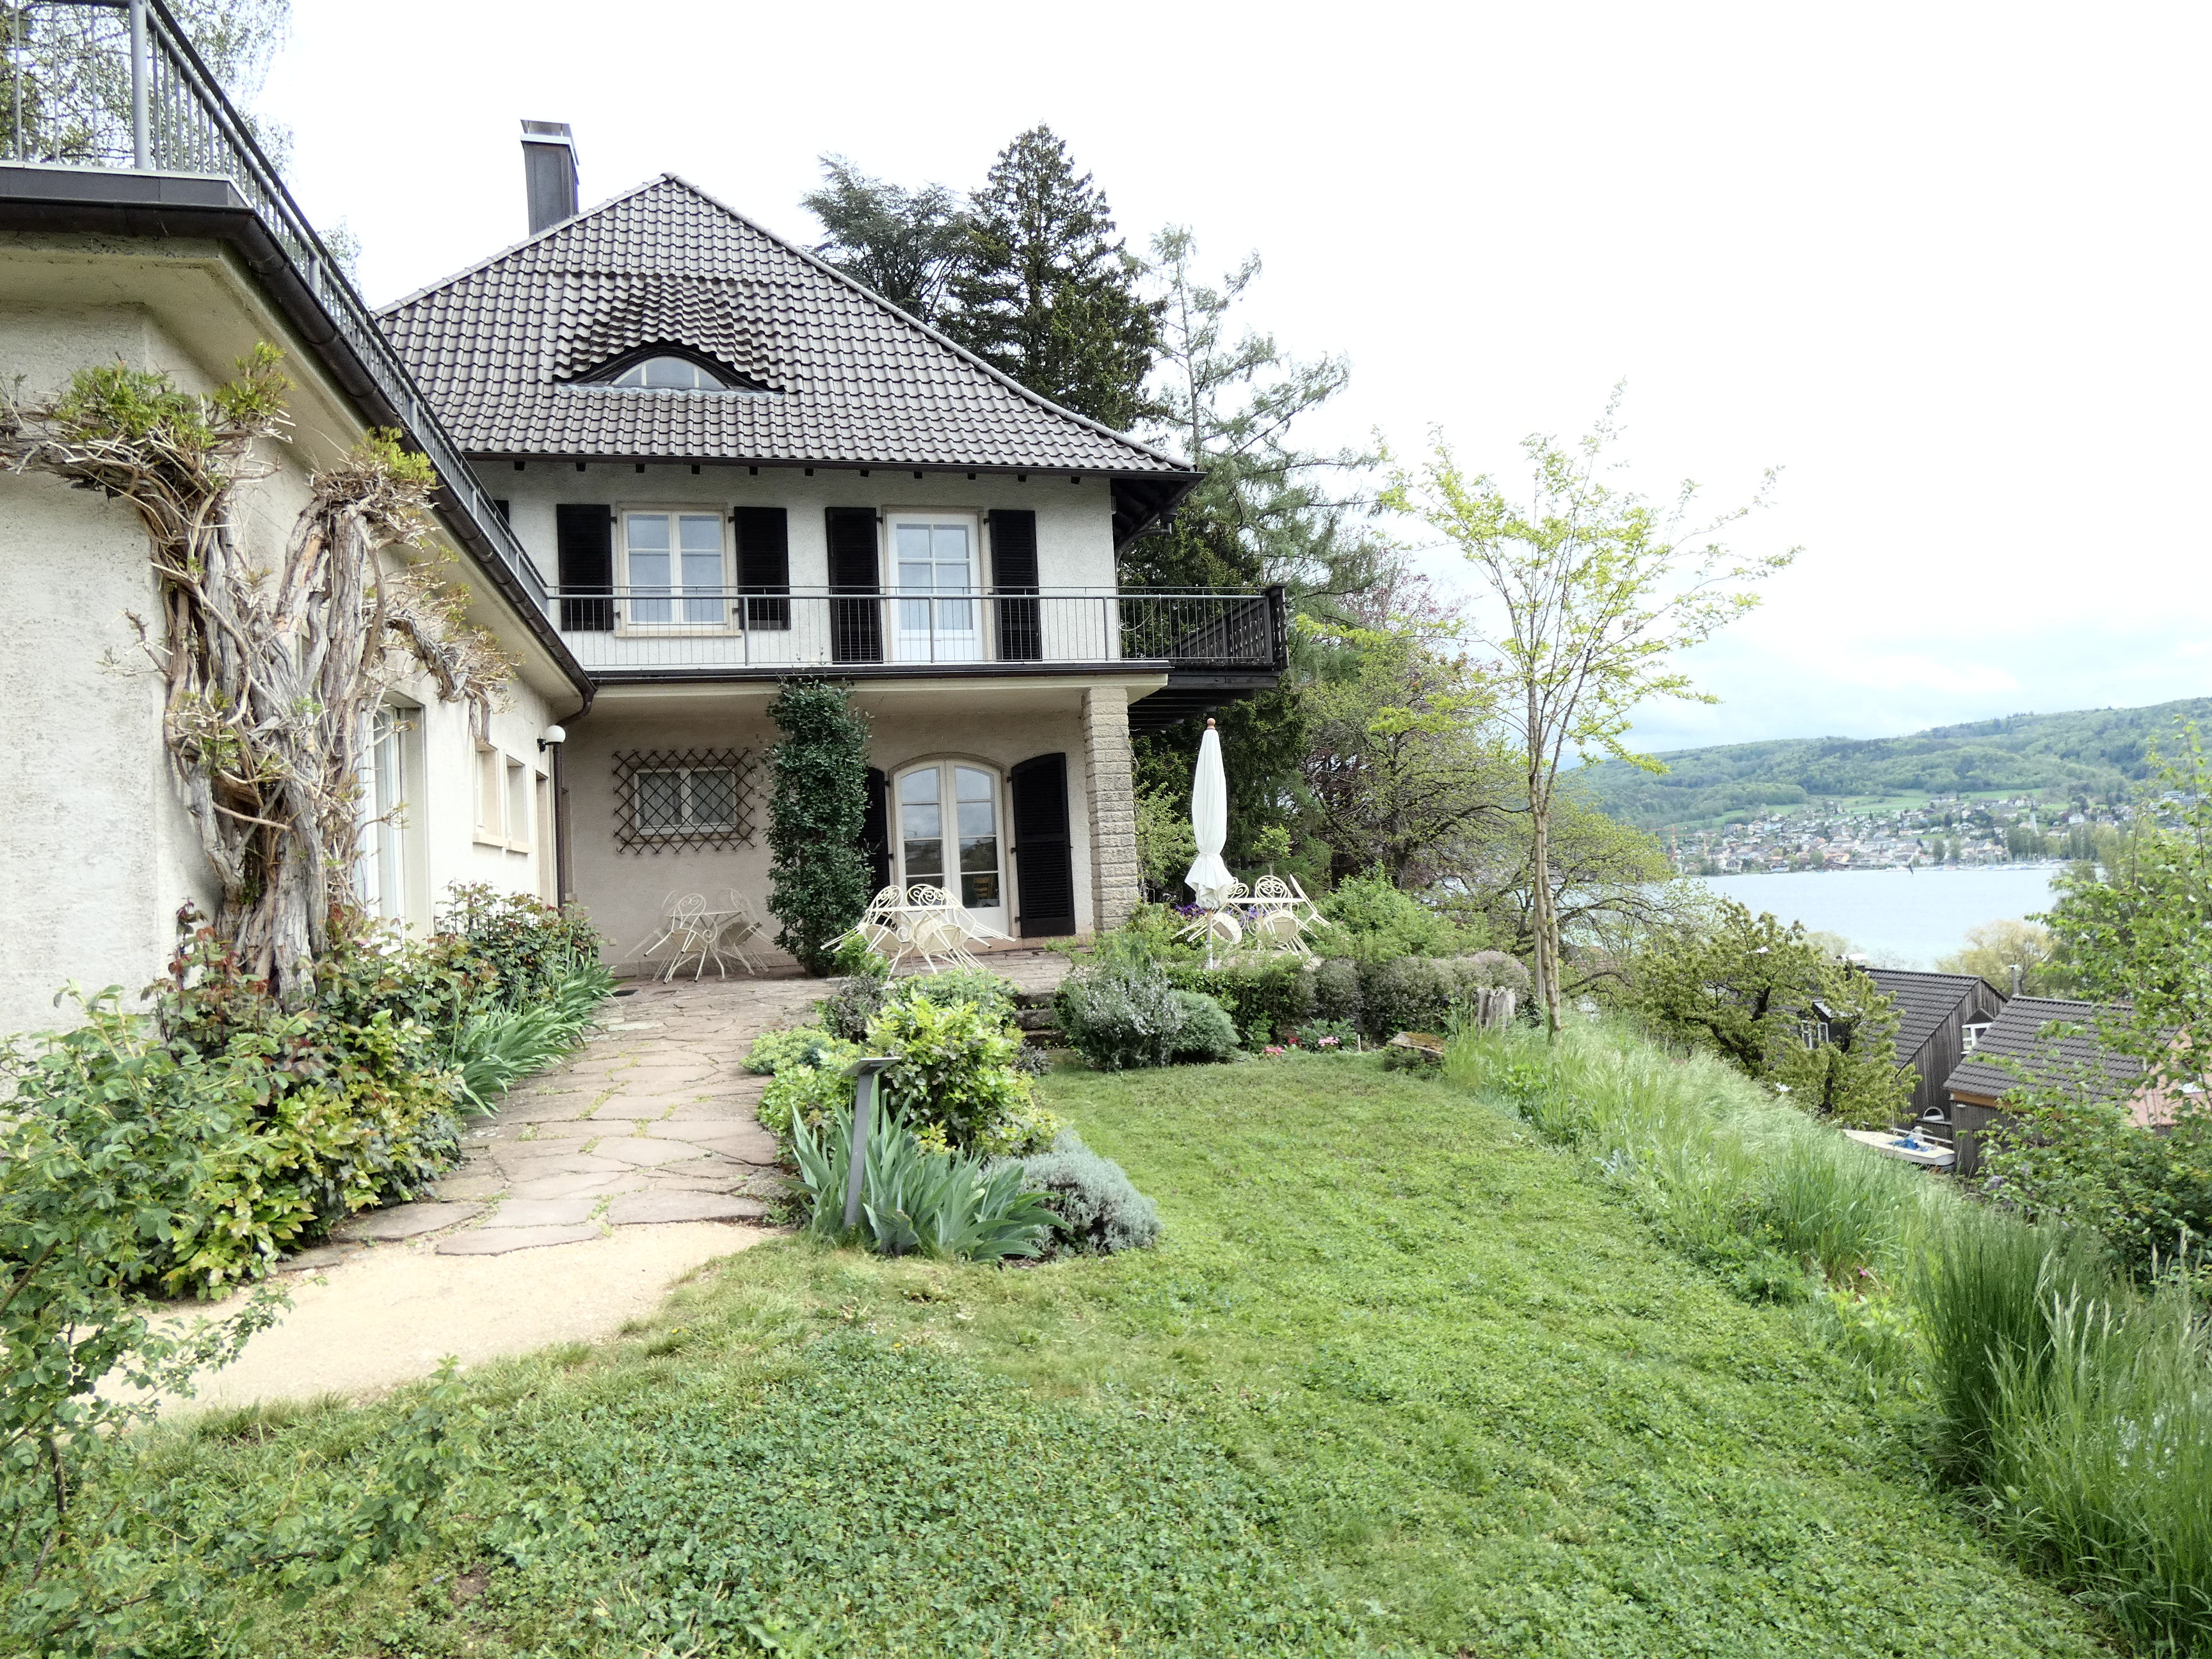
1403, 1377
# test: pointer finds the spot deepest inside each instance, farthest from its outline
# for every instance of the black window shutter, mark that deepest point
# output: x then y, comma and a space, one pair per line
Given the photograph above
764, 565
876, 830
1044, 858
1014, 570
856, 625
584, 544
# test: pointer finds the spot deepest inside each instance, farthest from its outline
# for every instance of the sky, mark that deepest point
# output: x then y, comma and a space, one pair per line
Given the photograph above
1942, 263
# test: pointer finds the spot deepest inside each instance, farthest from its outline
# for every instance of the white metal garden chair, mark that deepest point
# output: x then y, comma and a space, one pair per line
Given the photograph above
697, 932
739, 927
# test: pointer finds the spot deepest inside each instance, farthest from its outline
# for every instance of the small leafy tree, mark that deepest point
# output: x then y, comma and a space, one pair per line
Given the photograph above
818, 876
1758, 993
1596, 590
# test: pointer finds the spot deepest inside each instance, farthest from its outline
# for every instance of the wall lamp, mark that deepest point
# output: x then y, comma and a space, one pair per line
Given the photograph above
554, 735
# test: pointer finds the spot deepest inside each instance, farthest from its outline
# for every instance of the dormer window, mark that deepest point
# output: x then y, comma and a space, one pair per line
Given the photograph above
667, 374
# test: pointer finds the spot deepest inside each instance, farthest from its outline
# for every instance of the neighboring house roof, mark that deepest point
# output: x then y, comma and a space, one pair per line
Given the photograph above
852, 380
2016, 1035
1924, 1003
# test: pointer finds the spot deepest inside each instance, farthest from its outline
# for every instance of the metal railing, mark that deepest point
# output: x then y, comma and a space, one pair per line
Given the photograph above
707, 631
115, 84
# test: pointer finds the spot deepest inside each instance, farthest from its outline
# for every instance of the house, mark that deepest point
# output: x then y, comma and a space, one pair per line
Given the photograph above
717, 464
1940, 1019
2019, 1049
738, 465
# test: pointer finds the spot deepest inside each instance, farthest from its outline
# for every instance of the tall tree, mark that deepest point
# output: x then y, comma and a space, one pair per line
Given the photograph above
900, 242
1267, 511
1595, 589
1047, 292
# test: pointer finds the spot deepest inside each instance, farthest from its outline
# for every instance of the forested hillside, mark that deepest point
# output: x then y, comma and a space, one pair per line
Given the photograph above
2093, 750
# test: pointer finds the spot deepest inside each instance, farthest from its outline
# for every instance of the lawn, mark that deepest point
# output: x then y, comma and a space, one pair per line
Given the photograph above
1400, 1379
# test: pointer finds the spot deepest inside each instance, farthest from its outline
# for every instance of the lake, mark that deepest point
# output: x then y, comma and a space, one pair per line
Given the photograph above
1908, 920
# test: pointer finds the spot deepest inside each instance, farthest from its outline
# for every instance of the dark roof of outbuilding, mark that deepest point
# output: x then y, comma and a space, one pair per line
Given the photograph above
2078, 1060
852, 380
1923, 1002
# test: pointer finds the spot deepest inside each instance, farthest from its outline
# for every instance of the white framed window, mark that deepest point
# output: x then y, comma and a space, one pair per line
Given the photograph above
949, 834
381, 872
686, 800
670, 374
675, 568
935, 573
491, 796
521, 810
1971, 1035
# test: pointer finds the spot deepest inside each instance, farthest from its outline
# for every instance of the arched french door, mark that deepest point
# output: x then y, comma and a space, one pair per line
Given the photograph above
950, 835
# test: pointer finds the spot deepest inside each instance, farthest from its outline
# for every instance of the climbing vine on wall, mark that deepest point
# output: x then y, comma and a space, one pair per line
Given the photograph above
272, 666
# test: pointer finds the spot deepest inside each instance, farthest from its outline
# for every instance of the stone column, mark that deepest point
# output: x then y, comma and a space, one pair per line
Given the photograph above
1113, 797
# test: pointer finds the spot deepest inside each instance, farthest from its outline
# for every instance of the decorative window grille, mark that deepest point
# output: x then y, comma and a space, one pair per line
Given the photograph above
672, 800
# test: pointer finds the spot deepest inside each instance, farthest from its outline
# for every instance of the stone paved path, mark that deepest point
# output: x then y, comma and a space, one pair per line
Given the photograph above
651, 1122
599, 1183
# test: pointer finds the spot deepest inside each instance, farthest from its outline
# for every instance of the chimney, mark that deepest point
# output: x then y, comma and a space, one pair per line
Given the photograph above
549, 172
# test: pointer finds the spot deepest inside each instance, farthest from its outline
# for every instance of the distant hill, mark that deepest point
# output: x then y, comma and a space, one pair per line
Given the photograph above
2095, 751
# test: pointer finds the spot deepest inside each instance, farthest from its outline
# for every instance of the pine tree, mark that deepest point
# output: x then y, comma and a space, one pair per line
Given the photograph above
1045, 292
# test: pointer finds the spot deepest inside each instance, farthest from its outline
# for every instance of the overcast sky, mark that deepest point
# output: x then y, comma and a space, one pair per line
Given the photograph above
1944, 264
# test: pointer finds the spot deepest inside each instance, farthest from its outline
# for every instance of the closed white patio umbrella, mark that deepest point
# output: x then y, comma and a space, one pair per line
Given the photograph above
1209, 878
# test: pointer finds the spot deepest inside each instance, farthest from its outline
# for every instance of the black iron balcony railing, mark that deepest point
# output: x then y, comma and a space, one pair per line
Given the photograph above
701, 631
115, 84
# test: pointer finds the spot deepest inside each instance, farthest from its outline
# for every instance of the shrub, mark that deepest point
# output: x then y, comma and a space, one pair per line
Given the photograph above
808, 1095
1376, 921
917, 1201
1327, 1037
845, 1013
774, 1052
956, 1072
1336, 991
1205, 1032
1488, 970
818, 876
1096, 1211
1408, 993
993, 993
1263, 997
1118, 1011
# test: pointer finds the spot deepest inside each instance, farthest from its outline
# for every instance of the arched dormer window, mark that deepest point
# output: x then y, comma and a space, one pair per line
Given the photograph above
670, 374
662, 368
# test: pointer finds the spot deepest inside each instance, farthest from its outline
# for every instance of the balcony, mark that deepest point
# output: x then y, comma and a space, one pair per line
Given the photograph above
714, 634
105, 112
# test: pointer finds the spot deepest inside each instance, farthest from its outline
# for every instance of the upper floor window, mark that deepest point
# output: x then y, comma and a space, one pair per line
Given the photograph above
669, 373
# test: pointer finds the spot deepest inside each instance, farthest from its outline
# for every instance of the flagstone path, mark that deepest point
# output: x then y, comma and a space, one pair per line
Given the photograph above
597, 1182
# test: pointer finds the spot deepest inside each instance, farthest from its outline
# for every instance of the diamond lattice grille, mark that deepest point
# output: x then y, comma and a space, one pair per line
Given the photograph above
674, 800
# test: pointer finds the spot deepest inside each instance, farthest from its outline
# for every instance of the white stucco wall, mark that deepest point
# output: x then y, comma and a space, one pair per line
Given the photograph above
96, 847
1075, 521
623, 892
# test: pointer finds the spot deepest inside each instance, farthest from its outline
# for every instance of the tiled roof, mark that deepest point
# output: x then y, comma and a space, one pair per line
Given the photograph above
853, 379
1922, 1001
2016, 1035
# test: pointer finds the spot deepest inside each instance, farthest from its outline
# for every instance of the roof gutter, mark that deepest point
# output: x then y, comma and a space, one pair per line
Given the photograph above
155, 204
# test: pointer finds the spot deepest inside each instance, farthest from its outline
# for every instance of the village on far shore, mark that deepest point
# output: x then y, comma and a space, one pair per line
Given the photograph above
1939, 829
